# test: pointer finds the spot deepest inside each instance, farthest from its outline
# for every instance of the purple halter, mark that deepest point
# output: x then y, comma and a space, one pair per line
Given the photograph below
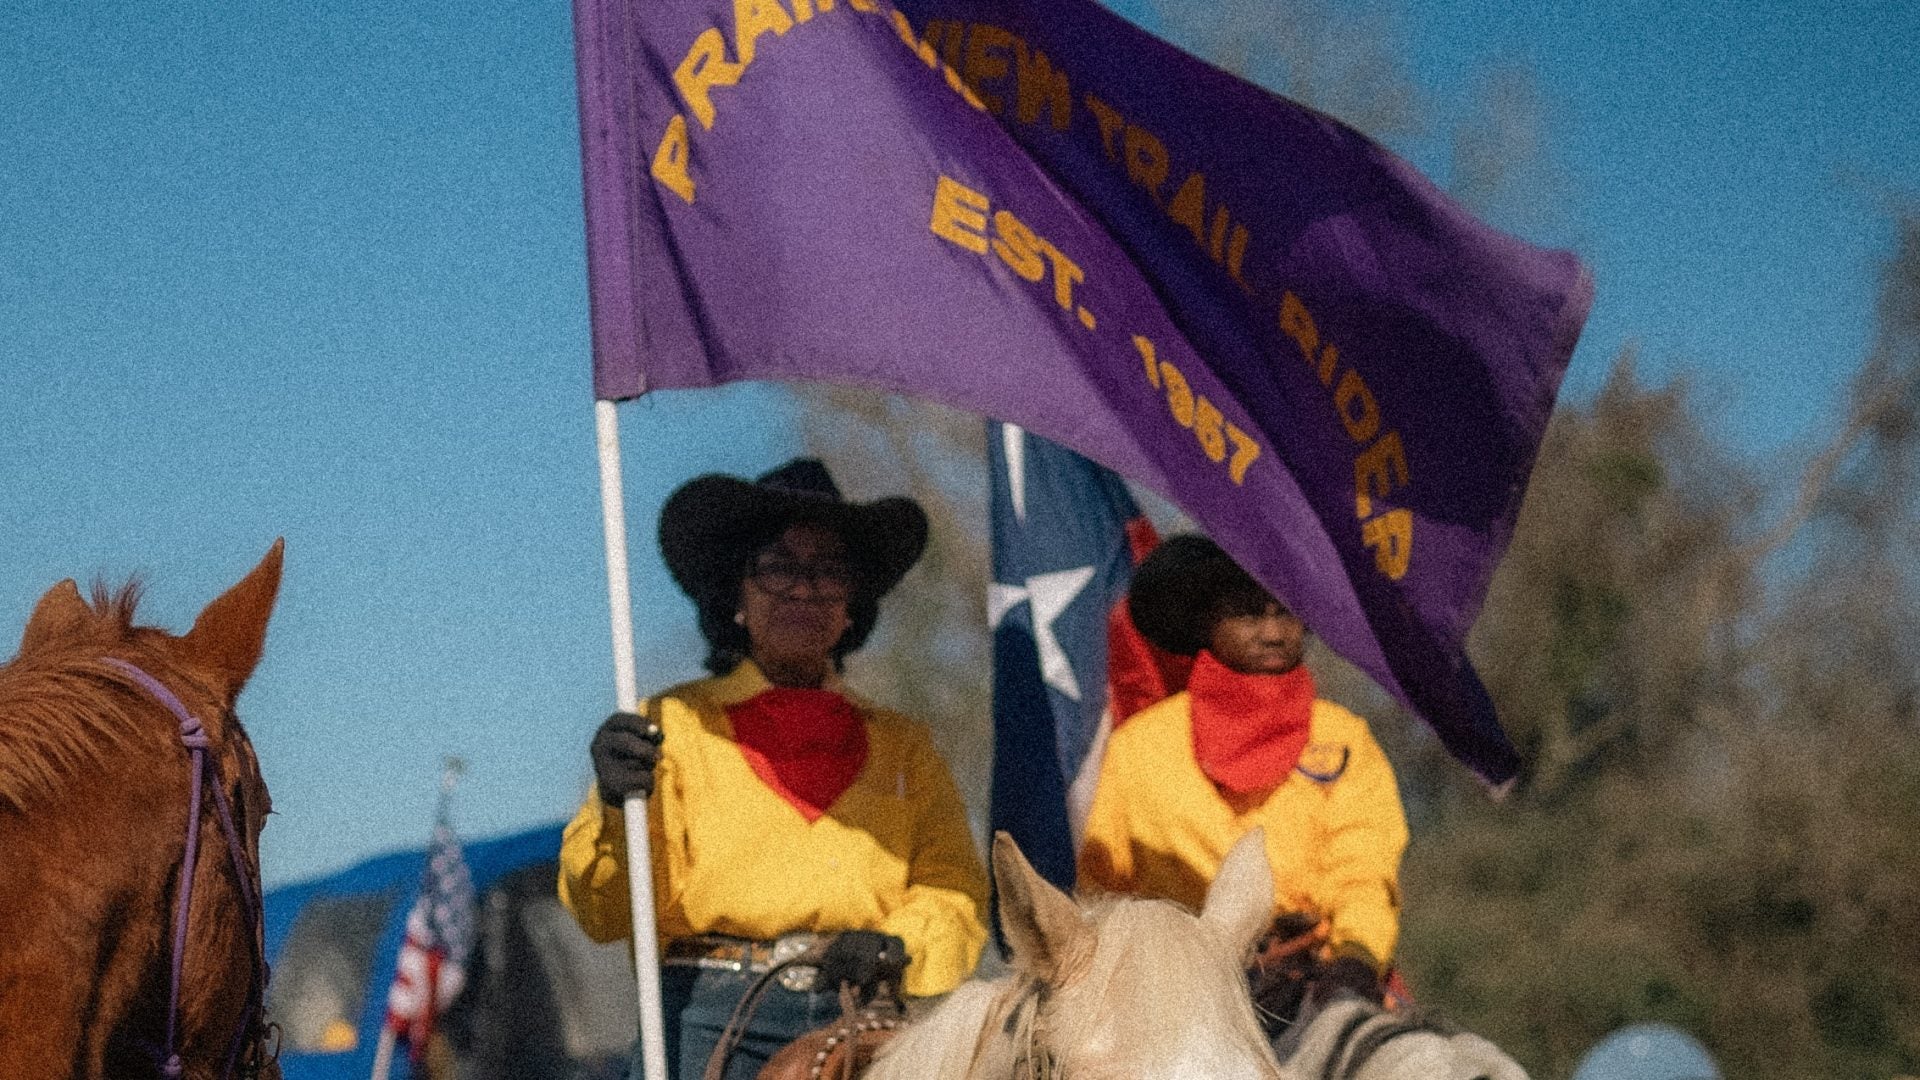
194, 737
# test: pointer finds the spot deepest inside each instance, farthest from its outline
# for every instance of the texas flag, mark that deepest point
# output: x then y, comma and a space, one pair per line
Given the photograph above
1067, 662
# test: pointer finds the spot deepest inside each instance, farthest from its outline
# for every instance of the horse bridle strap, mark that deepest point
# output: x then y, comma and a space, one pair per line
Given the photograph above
193, 736
1016, 1013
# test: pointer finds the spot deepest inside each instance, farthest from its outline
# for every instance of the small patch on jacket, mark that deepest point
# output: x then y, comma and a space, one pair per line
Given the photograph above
1323, 762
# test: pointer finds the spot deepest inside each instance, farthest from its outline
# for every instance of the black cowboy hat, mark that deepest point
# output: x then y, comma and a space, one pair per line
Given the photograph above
714, 523
1177, 591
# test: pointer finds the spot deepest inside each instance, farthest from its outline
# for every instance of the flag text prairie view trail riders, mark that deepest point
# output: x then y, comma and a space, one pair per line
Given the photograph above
1042, 214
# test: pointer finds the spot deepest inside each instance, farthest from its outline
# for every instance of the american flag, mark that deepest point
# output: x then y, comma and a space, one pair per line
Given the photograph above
440, 929
1067, 662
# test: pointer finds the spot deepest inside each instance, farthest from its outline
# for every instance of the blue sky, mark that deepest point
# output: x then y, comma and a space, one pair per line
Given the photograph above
1728, 171
317, 271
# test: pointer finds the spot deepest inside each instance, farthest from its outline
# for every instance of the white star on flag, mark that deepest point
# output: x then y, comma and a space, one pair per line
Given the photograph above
1050, 594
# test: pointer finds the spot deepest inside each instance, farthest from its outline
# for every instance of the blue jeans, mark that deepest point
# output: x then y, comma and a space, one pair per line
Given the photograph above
696, 1004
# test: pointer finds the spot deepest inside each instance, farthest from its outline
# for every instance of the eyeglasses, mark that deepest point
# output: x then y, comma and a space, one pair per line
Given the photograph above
825, 579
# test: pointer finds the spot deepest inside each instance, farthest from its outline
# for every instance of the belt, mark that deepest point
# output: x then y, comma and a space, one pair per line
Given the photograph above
723, 952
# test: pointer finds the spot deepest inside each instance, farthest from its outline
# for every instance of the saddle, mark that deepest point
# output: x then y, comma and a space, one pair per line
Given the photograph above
843, 1049
840, 1050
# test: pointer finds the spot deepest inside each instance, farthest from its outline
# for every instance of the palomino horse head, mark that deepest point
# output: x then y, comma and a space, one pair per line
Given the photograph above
1116, 988
103, 973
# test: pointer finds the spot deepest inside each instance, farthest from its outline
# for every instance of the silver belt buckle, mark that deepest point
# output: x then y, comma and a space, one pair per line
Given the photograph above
800, 978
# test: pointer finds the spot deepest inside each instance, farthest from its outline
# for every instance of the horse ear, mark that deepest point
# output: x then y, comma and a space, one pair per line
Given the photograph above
1240, 900
59, 614
1042, 925
230, 633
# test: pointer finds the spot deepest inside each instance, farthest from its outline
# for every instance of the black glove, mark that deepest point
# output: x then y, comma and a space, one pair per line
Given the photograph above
1350, 975
625, 750
864, 958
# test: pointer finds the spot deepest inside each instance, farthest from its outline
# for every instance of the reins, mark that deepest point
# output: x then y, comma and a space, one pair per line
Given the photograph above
883, 1013
1016, 1015
204, 775
742, 1017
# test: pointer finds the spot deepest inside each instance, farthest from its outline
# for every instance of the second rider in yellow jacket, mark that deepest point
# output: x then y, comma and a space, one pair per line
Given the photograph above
1248, 743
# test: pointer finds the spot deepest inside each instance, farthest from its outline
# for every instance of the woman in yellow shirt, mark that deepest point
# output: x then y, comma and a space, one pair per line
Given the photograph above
1248, 743
783, 809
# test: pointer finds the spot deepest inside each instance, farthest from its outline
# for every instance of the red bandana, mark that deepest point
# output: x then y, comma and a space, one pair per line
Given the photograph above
808, 745
1248, 730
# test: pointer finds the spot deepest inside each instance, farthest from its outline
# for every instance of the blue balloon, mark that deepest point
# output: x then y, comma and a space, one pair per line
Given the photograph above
1648, 1052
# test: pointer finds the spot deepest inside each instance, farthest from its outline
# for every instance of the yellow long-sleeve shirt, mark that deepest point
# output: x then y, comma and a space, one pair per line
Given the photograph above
730, 856
1159, 827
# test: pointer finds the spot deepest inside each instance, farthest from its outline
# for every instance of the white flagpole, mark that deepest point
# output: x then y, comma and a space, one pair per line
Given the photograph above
383, 1056
451, 769
646, 947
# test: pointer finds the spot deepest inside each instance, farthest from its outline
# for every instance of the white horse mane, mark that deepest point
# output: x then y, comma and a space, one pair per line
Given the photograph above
1117, 987
953, 1041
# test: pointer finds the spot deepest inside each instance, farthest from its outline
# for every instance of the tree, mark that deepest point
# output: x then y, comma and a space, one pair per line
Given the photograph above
1719, 713
930, 652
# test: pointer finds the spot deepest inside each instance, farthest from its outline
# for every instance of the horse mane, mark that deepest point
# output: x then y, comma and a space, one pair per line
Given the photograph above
64, 710
986, 1028
1186, 960
969, 1024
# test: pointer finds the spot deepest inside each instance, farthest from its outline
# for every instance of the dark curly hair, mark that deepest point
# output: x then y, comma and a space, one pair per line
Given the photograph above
1185, 587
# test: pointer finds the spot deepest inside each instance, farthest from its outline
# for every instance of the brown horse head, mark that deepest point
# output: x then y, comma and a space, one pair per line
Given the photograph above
94, 825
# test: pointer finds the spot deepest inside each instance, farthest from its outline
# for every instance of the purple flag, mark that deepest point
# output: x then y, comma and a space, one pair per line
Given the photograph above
1040, 213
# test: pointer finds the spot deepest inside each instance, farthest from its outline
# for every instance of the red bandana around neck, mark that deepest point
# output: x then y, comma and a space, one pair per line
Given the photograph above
1248, 730
807, 745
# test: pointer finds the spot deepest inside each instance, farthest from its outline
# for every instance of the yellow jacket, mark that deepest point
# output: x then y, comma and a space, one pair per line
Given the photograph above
1159, 827
730, 856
